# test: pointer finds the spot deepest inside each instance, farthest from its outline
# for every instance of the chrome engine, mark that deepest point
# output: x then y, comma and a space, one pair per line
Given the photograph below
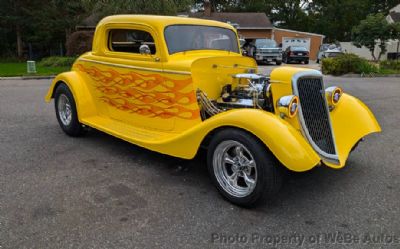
245, 91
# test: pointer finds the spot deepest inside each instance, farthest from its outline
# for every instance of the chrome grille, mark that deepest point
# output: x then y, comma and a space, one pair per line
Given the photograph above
315, 114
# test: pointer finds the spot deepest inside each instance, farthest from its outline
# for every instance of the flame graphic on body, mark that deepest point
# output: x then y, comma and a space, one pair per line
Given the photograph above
151, 95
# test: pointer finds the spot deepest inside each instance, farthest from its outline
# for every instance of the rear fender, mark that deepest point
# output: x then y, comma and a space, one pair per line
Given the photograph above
83, 99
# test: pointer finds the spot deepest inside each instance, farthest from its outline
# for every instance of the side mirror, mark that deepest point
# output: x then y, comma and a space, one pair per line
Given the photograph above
244, 52
144, 49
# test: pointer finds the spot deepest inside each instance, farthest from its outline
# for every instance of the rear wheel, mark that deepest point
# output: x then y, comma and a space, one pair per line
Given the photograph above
278, 63
242, 168
66, 113
306, 62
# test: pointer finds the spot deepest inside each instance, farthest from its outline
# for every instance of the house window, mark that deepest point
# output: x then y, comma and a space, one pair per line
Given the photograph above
130, 40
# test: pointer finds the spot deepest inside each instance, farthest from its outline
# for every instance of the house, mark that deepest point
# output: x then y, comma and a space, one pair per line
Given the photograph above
392, 46
394, 15
252, 25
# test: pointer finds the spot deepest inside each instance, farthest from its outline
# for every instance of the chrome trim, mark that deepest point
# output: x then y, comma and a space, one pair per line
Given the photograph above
284, 102
329, 91
64, 109
333, 158
233, 161
134, 67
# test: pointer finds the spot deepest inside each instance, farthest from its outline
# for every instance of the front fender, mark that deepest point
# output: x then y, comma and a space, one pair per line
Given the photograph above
83, 99
284, 141
351, 121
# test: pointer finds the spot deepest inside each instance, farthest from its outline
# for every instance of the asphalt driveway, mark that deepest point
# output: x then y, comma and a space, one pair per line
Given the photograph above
100, 192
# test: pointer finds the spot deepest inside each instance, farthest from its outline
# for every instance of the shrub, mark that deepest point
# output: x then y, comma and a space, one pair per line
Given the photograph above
347, 63
79, 42
390, 64
57, 61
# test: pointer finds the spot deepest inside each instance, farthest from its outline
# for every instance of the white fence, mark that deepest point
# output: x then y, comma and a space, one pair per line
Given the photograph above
364, 52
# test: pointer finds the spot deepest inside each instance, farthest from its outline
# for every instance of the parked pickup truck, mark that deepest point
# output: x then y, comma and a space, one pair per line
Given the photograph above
174, 85
267, 51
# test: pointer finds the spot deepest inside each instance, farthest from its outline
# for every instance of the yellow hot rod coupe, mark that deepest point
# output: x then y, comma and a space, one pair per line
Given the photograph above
175, 84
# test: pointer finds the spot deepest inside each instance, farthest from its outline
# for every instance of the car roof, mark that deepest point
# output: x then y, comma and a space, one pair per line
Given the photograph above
160, 22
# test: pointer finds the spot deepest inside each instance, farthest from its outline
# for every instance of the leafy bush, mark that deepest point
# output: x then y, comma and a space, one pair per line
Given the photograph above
390, 65
79, 42
57, 61
347, 63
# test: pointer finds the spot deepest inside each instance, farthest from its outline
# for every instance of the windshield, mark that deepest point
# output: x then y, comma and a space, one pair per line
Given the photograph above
299, 49
265, 43
181, 38
333, 54
324, 47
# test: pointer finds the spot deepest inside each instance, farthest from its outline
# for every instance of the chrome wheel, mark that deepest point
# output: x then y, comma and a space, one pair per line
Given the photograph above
64, 109
235, 168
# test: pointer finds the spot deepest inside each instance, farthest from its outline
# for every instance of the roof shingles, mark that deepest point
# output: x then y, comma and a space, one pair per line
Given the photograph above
395, 16
243, 19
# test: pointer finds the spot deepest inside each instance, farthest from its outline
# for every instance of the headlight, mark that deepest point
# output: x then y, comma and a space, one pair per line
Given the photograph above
288, 106
333, 95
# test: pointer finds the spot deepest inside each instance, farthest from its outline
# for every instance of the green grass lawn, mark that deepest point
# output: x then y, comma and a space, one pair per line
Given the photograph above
8, 69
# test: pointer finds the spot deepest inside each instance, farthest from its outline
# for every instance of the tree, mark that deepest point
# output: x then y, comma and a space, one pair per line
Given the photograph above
396, 35
38, 21
163, 7
372, 31
15, 15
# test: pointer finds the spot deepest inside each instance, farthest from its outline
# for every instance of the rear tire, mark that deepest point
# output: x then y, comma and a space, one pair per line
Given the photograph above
242, 168
278, 63
66, 113
306, 62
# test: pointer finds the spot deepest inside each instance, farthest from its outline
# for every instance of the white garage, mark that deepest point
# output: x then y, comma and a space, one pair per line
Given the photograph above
296, 42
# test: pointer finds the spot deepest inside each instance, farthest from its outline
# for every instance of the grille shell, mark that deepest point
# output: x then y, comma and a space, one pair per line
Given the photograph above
314, 115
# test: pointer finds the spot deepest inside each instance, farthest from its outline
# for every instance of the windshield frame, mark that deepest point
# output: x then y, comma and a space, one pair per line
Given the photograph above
236, 40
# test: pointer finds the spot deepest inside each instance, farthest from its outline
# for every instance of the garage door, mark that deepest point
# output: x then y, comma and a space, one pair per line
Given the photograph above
296, 41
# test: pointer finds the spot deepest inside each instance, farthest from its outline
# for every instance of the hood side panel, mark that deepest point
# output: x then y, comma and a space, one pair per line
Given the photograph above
211, 74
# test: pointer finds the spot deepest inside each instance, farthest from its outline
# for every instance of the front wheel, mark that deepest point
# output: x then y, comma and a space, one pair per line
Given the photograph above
66, 113
242, 168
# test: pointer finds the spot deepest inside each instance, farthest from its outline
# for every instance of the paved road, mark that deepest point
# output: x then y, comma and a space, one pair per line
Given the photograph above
101, 192
266, 69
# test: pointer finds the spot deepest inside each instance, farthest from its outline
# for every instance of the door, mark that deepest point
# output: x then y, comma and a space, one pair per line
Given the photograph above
133, 84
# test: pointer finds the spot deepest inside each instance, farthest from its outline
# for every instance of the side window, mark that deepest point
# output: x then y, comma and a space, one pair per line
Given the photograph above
130, 40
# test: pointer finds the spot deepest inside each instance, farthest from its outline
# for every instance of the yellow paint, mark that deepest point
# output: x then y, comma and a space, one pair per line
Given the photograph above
351, 120
281, 85
149, 100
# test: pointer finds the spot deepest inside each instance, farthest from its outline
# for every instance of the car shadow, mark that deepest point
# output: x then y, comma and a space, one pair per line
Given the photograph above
298, 189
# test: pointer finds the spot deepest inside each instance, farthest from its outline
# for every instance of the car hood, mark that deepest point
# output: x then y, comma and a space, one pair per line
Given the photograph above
269, 49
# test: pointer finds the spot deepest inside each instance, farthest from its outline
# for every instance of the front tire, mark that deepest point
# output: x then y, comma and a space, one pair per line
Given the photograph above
66, 113
242, 168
